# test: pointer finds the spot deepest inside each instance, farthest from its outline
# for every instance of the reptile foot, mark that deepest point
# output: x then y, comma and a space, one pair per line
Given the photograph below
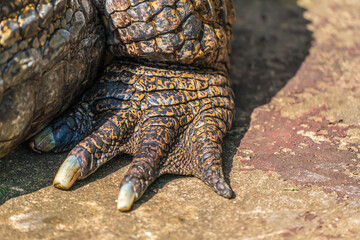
172, 120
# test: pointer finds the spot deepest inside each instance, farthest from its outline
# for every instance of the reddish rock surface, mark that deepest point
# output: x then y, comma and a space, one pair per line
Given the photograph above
309, 131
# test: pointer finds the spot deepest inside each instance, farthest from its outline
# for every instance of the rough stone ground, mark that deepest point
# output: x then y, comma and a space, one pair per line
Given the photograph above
292, 157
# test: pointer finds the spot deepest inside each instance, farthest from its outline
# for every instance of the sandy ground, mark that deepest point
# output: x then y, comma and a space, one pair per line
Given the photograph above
292, 156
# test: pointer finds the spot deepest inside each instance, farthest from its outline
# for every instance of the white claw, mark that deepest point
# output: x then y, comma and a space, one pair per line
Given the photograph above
67, 174
126, 197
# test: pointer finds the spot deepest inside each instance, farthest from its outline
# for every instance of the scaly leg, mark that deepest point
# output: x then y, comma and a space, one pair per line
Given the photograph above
170, 120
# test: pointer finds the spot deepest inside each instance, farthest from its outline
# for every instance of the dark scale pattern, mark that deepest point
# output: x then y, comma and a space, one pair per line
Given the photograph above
175, 31
170, 121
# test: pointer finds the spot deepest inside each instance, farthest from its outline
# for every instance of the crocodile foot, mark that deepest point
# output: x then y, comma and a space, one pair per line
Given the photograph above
172, 120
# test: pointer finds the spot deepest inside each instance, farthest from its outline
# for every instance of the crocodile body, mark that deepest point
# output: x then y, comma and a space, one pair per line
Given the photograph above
49, 51
166, 98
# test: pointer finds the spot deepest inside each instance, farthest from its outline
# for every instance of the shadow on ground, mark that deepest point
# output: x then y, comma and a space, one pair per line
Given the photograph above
270, 43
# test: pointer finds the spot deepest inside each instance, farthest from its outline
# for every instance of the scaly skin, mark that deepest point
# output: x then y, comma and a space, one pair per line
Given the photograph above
170, 120
203, 27
189, 32
169, 104
49, 51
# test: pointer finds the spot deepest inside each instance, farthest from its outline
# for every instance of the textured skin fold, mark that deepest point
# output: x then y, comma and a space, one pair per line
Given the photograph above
186, 32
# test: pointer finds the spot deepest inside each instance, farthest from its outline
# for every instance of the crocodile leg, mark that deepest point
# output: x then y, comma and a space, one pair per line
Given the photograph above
172, 120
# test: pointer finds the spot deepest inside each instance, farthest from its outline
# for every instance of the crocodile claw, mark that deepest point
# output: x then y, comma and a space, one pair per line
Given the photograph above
126, 197
68, 173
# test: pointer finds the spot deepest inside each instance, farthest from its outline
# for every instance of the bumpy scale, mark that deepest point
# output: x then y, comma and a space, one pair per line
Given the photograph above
167, 100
